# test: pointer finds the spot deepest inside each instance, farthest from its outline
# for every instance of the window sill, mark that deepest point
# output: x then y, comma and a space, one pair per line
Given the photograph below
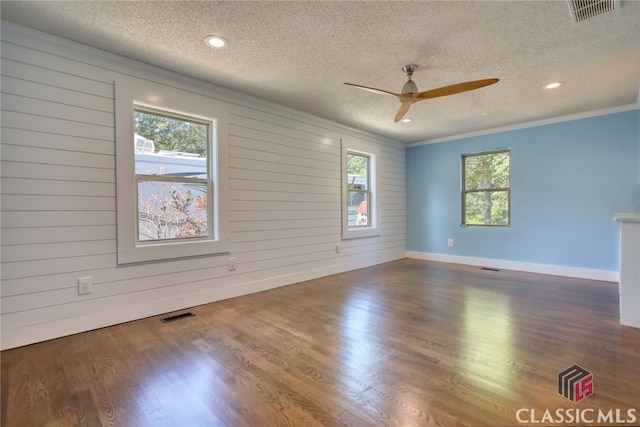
360, 233
170, 251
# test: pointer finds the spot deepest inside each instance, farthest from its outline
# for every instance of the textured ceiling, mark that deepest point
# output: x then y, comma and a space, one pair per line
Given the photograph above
298, 54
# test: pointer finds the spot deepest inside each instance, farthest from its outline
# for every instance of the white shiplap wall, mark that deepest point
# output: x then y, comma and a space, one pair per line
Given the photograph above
58, 197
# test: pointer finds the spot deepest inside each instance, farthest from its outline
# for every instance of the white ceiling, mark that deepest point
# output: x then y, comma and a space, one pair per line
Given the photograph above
298, 54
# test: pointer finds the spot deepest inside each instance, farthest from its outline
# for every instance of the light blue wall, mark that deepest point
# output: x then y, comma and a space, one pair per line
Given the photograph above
568, 180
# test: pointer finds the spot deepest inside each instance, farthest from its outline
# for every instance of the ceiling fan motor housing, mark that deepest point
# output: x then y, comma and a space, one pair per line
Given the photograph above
409, 86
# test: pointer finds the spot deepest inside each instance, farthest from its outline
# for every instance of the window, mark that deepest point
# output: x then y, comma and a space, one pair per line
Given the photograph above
170, 183
173, 183
486, 195
359, 190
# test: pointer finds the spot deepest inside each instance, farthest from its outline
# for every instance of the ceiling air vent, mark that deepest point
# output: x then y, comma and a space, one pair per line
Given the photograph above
584, 9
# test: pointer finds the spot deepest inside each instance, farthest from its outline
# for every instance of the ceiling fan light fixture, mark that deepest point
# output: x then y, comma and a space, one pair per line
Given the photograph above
407, 120
553, 85
216, 42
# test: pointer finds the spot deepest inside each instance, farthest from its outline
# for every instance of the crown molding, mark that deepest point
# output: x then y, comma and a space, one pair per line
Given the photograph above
534, 123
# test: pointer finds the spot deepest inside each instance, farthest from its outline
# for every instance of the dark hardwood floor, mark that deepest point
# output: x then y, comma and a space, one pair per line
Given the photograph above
407, 343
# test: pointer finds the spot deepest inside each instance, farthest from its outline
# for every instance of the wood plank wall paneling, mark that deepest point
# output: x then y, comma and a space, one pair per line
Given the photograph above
58, 196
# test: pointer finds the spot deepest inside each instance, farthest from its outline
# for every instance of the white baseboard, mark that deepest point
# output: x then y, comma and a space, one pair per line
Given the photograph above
554, 270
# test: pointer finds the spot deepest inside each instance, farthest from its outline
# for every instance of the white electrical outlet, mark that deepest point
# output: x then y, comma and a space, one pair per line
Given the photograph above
85, 285
450, 242
338, 248
232, 263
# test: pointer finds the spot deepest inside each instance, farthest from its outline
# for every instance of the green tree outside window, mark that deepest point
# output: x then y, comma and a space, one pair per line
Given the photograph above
486, 195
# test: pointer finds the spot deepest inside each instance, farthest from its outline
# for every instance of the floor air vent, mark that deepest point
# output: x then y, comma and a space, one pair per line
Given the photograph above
584, 9
489, 268
176, 317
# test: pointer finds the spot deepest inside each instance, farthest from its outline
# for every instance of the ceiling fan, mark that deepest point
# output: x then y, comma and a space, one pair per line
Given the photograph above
410, 94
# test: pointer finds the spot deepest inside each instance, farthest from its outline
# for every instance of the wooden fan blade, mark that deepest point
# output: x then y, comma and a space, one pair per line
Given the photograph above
404, 108
372, 89
457, 88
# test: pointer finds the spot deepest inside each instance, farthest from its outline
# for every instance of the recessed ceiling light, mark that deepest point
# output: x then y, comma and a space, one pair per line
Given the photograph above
553, 85
216, 42
407, 120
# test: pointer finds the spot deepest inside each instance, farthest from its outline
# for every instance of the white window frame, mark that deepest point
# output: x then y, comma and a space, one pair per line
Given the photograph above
464, 191
131, 93
357, 146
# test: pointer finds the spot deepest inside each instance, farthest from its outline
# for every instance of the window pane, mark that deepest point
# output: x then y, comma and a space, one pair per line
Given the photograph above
171, 210
358, 209
170, 135
358, 166
487, 208
358, 190
174, 147
486, 171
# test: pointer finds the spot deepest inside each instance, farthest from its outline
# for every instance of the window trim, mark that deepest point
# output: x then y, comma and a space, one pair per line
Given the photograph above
130, 94
371, 150
464, 192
